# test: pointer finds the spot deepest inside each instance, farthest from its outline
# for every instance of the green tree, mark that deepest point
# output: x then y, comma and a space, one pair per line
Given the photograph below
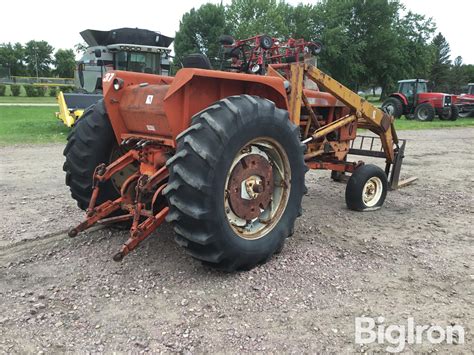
373, 25
439, 74
369, 43
80, 48
302, 21
199, 31
65, 63
366, 43
343, 44
38, 58
248, 18
468, 72
11, 58
414, 32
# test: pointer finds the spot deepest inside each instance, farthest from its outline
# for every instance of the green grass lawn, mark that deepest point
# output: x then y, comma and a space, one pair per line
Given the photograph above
404, 124
24, 99
20, 124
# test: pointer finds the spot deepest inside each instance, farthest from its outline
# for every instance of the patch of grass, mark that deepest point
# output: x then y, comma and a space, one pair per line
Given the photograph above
404, 124
20, 124
27, 100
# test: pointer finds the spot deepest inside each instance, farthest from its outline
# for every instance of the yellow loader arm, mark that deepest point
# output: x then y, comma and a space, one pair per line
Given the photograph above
367, 115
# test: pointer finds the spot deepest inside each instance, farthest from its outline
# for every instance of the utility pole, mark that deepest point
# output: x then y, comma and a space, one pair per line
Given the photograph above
36, 60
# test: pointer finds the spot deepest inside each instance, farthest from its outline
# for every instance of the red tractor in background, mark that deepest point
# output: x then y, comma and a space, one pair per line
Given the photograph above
465, 102
415, 102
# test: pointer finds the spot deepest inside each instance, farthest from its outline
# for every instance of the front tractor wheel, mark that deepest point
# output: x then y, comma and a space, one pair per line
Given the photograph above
236, 183
366, 189
454, 113
424, 112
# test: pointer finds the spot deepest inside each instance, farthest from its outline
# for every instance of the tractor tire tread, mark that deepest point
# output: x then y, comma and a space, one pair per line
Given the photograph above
90, 143
192, 168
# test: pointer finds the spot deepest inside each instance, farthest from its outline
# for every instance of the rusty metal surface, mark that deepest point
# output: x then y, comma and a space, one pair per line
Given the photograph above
140, 190
250, 166
366, 113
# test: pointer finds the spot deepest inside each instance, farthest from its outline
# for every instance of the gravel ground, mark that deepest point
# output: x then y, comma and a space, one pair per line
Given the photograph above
413, 258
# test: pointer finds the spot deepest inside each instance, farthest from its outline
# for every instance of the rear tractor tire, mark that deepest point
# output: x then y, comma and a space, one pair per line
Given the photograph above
236, 183
424, 112
366, 189
393, 107
90, 143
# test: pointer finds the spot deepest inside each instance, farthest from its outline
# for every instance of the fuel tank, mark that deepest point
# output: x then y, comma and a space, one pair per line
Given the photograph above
142, 110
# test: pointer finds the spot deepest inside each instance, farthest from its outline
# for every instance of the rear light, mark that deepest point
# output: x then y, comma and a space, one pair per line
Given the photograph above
118, 84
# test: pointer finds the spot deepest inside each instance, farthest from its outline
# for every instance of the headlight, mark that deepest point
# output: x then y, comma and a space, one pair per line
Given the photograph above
255, 69
118, 84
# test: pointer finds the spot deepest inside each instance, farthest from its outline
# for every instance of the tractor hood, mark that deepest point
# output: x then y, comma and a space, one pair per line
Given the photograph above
126, 35
437, 93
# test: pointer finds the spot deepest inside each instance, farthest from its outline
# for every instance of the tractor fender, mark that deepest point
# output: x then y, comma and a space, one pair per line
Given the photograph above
193, 90
401, 97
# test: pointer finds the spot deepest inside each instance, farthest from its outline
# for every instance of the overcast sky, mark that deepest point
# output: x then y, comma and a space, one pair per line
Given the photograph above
59, 22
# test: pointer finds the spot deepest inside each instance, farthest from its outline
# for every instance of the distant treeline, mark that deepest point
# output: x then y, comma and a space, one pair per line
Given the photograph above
366, 43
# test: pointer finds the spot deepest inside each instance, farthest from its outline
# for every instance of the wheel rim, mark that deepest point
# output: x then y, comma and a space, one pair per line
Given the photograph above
372, 191
446, 114
390, 109
423, 114
257, 188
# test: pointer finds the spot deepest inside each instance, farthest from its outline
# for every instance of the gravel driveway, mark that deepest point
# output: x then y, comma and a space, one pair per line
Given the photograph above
413, 258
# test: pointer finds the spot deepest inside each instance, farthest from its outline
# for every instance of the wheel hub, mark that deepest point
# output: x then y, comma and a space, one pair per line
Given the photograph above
372, 191
389, 109
253, 186
423, 114
250, 186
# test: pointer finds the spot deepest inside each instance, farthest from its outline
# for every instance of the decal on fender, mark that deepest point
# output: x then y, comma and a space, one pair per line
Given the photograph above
149, 99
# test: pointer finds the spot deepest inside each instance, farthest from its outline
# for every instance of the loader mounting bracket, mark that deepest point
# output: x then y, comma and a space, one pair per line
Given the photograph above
137, 198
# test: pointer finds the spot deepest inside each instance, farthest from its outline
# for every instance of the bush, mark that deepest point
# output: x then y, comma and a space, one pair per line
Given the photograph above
53, 91
3, 88
15, 89
67, 89
41, 90
31, 91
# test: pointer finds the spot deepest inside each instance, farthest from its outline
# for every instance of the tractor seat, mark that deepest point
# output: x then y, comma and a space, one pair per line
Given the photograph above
197, 60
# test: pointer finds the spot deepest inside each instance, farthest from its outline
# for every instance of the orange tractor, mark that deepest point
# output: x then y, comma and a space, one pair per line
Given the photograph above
222, 155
